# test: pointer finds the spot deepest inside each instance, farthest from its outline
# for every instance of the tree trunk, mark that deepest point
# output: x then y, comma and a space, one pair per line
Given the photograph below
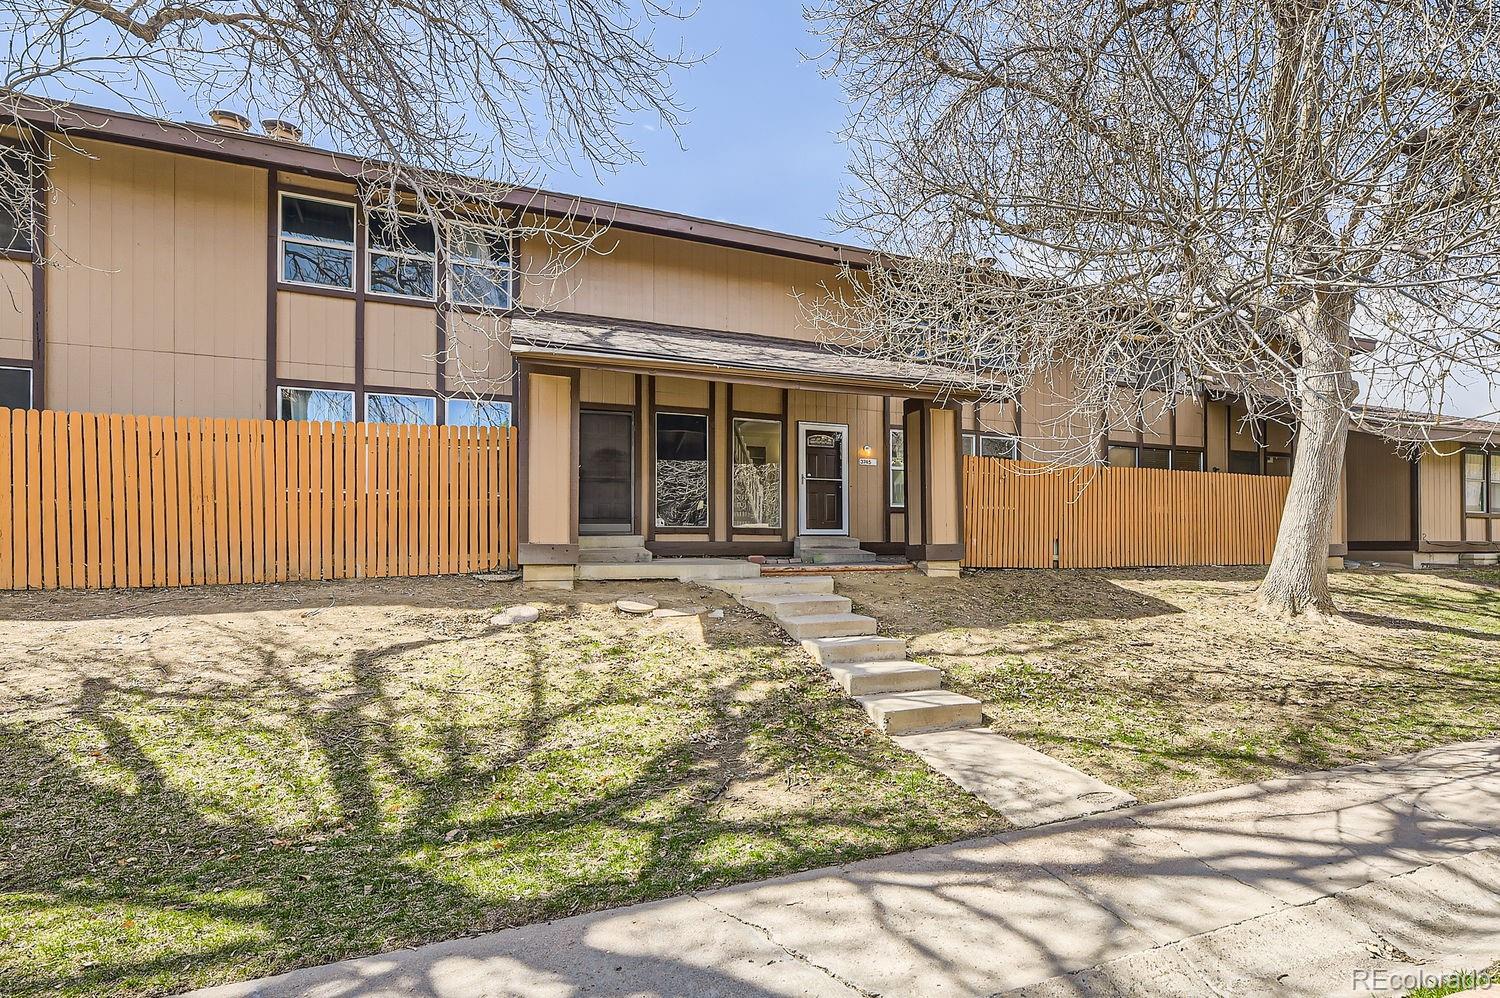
1297, 581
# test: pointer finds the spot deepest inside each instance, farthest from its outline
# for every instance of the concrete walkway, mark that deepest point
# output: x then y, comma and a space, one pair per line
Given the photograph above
1289, 887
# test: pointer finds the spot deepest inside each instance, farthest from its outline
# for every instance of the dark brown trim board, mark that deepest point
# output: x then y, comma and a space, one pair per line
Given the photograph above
788, 468
649, 450
273, 233
1381, 546
1458, 547
38, 289
361, 262
523, 464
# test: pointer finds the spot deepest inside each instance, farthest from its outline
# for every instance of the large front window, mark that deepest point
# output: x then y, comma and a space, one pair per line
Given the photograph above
757, 473
317, 242
681, 470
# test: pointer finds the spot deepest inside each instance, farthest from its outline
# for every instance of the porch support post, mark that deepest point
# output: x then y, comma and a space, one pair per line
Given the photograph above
934, 486
548, 489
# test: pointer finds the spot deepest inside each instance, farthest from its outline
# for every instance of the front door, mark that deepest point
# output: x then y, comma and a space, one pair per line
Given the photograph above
606, 483
824, 449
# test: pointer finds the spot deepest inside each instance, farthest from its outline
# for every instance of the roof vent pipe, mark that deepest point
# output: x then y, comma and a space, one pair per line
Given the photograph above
231, 120
283, 131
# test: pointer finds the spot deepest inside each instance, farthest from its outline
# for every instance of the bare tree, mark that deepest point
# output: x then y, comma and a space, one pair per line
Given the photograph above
452, 105
1168, 197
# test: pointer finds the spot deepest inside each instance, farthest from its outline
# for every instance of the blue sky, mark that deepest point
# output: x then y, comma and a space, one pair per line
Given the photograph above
760, 145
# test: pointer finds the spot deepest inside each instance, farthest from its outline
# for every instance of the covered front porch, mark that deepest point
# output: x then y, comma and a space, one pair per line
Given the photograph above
641, 443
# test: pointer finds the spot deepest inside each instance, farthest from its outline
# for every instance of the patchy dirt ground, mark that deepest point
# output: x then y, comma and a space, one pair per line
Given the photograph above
212, 784
1167, 682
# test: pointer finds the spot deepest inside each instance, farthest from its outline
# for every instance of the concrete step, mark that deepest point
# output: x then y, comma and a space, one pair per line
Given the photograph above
828, 625
839, 556
587, 541
864, 678
921, 710
781, 607
681, 569
612, 556
806, 543
784, 585
842, 651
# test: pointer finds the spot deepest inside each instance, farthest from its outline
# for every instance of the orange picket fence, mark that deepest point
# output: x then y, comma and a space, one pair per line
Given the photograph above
1018, 514
96, 501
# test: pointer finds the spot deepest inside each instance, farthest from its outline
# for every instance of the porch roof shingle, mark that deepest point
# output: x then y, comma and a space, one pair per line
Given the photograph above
699, 352
1404, 424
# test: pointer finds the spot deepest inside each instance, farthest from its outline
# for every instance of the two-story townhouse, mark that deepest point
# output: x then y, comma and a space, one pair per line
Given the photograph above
668, 388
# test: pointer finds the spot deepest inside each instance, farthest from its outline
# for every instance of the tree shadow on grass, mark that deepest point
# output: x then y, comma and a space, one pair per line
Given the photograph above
171, 836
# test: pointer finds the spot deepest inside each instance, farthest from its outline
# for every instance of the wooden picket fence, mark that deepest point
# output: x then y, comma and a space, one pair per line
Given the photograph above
1019, 514
104, 501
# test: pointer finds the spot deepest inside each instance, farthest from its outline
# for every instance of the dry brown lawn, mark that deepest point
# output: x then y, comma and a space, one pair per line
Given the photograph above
1167, 682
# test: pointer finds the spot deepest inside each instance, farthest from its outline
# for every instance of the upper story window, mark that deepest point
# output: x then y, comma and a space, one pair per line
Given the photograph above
317, 241
1144, 365
479, 267
16, 200
403, 256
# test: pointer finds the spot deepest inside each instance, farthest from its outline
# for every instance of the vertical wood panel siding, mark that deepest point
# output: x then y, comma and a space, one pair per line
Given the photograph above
92, 501
1021, 514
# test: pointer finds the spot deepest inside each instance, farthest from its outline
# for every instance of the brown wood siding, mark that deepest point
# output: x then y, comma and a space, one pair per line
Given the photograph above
1379, 490
160, 305
681, 283
606, 387
682, 392
400, 341
1441, 496
314, 337
478, 356
15, 309
865, 417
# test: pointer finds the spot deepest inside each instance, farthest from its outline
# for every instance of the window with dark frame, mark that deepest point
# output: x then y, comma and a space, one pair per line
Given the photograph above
325, 405
15, 388
317, 242
17, 199
403, 256
998, 445
1244, 462
896, 462
477, 412
400, 410
1160, 458
681, 470
479, 267
1480, 494
756, 473
1279, 465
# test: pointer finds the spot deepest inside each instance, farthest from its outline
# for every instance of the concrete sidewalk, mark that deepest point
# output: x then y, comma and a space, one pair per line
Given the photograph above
1288, 887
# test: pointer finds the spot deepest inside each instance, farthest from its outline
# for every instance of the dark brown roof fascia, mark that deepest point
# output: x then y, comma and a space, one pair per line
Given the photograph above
215, 143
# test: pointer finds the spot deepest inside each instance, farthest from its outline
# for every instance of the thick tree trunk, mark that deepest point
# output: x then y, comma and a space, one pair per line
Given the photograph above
1297, 581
